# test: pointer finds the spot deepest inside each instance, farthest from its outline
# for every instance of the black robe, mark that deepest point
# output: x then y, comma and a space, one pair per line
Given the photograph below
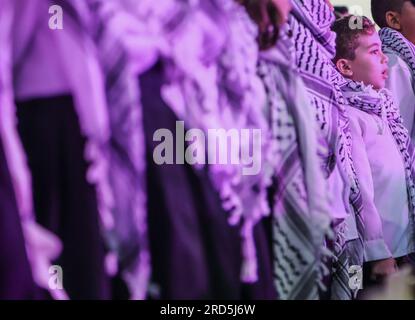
65, 203
16, 280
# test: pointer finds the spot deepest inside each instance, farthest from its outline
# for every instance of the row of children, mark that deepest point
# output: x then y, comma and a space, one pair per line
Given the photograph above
80, 189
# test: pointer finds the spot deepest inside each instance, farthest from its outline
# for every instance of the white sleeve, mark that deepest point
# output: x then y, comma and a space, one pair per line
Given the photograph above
374, 244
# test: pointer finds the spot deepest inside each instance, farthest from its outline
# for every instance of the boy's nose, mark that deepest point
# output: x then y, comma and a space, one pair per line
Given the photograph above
385, 58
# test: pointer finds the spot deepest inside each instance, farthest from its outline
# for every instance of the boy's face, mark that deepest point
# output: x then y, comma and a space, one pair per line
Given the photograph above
407, 21
370, 65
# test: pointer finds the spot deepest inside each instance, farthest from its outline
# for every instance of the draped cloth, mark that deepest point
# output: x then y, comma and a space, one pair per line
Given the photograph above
314, 43
301, 209
349, 252
41, 246
212, 83
112, 27
395, 41
210, 50
76, 55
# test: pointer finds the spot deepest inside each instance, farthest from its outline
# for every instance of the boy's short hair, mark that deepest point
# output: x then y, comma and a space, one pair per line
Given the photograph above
380, 7
348, 33
341, 11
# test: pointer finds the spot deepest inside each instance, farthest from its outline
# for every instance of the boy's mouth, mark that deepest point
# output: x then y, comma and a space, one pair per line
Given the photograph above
385, 74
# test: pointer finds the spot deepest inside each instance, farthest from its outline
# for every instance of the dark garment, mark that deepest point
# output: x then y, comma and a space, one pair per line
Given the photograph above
65, 202
195, 253
16, 280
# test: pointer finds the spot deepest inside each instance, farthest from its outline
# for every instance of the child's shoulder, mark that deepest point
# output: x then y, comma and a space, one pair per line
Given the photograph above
396, 62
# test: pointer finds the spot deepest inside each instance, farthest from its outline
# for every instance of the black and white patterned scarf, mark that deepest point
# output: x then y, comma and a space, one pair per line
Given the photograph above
380, 103
315, 47
300, 204
395, 41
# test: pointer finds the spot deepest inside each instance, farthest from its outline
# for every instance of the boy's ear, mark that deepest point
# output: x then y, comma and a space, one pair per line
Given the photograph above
343, 65
393, 20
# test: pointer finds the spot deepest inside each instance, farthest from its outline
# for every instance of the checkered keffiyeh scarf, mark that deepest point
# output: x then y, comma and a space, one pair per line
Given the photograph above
380, 103
300, 204
127, 175
395, 41
315, 47
352, 252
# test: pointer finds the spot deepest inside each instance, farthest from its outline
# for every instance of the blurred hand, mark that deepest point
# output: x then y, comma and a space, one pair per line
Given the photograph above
384, 268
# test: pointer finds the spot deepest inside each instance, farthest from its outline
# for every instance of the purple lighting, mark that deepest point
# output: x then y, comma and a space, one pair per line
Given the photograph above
204, 150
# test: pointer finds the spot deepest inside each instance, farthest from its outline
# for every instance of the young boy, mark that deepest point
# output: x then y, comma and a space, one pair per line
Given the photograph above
381, 148
397, 20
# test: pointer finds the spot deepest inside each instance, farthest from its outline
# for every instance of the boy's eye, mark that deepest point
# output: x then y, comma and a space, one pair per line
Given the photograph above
376, 51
